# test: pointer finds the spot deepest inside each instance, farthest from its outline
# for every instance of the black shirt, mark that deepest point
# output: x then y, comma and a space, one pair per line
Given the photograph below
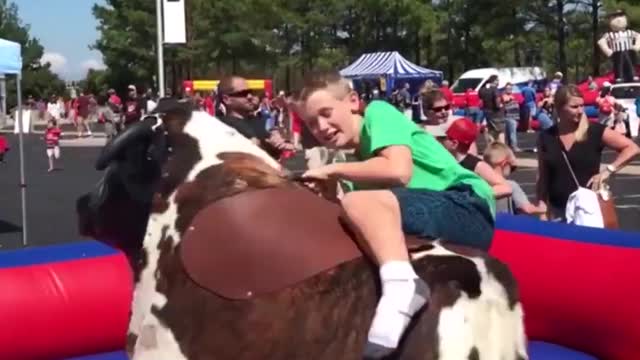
252, 128
489, 97
584, 157
470, 162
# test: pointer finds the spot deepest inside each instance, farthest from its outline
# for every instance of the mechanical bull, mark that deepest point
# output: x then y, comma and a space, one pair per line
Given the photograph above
233, 260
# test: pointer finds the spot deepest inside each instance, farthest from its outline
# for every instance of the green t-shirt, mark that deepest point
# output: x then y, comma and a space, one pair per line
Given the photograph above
434, 168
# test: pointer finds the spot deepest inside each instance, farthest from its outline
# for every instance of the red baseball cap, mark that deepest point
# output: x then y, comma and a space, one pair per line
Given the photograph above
464, 130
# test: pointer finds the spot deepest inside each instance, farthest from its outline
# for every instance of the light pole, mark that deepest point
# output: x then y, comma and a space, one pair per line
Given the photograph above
160, 49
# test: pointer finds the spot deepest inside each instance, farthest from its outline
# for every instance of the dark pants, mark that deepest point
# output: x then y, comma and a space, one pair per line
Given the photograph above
623, 65
456, 215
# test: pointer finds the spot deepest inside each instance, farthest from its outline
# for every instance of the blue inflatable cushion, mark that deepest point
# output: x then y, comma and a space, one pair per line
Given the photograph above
115, 355
539, 350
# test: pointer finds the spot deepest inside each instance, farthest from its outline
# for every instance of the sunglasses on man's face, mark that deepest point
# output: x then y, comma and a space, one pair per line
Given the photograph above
440, 108
241, 93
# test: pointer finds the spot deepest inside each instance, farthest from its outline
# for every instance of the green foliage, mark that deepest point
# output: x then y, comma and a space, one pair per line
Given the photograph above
38, 80
284, 39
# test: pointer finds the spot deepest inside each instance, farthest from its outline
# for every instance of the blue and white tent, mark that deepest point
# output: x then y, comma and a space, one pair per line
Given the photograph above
11, 64
387, 64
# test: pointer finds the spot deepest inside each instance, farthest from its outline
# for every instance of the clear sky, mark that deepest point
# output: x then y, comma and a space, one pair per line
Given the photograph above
65, 28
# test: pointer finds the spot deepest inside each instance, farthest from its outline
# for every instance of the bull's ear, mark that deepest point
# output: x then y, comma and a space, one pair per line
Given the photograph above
141, 131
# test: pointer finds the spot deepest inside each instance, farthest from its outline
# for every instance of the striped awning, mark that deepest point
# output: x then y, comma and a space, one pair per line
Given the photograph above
373, 65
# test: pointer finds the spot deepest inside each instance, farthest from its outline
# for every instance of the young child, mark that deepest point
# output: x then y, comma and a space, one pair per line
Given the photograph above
457, 137
4, 147
405, 183
52, 139
503, 161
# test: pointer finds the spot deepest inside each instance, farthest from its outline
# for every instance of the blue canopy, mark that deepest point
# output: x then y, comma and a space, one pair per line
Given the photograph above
388, 64
10, 57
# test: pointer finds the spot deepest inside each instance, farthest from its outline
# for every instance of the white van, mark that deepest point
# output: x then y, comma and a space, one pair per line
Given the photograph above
475, 79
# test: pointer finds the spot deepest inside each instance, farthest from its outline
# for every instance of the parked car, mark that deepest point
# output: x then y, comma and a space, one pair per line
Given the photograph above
626, 94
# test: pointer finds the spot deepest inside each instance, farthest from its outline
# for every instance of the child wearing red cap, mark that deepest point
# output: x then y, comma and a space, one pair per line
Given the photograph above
458, 137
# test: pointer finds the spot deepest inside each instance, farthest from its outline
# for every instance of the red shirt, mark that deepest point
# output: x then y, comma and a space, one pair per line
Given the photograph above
3, 144
115, 99
448, 94
471, 98
296, 123
209, 105
52, 136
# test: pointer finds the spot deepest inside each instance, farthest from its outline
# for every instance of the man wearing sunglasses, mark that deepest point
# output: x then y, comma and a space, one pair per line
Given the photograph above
238, 101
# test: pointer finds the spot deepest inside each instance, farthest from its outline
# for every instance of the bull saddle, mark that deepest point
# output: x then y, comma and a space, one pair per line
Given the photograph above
262, 241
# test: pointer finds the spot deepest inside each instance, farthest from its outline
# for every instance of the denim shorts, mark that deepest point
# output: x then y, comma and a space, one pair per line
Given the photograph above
456, 215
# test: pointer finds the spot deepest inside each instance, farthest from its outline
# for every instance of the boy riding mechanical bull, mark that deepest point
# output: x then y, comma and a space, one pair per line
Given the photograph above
233, 259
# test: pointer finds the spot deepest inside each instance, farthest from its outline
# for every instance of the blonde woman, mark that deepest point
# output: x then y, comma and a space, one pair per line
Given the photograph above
582, 142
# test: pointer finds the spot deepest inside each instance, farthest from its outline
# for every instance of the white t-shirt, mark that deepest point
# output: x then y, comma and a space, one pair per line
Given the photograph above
54, 110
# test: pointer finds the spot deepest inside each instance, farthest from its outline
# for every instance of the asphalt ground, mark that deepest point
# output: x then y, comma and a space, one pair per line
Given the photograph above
51, 196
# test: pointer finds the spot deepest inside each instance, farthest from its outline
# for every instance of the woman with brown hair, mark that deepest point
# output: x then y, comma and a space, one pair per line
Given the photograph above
582, 142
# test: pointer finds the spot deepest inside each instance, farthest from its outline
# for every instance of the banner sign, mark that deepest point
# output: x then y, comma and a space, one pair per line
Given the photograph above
175, 29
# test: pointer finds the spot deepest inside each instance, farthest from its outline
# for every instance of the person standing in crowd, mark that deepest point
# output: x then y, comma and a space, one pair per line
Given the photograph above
556, 83
4, 147
106, 113
52, 140
115, 105
406, 183
512, 116
493, 110
472, 105
53, 109
83, 105
529, 99
545, 110
446, 91
405, 100
133, 107
606, 106
574, 145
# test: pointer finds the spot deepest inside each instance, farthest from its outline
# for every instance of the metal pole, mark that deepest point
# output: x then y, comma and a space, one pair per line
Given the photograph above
23, 183
160, 49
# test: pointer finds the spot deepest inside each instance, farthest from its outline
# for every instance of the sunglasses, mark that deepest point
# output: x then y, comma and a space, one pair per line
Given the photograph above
440, 108
241, 93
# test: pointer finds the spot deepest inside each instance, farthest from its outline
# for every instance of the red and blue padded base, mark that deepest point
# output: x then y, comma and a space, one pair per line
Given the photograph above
578, 285
63, 301
540, 350
114, 355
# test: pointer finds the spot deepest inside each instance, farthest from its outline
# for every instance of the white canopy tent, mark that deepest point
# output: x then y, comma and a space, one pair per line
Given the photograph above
11, 64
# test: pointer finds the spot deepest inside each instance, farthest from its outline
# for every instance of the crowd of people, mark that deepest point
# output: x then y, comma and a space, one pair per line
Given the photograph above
401, 172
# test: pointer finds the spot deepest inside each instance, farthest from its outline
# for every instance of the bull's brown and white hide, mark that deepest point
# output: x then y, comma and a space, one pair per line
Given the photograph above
155, 341
485, 325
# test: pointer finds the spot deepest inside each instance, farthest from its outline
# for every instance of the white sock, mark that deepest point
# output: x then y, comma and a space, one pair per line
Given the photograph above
403, 294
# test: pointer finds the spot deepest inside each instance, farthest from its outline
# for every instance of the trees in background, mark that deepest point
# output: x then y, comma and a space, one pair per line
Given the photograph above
284, 39
38, 79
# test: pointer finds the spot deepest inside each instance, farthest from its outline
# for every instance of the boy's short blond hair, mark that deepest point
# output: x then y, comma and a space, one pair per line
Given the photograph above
329, 80
497, 152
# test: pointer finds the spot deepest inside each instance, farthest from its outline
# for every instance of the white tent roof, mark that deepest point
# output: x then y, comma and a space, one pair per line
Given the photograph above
373, 65
10, 57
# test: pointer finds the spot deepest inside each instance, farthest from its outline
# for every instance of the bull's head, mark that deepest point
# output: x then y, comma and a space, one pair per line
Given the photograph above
117, 209
147, 163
